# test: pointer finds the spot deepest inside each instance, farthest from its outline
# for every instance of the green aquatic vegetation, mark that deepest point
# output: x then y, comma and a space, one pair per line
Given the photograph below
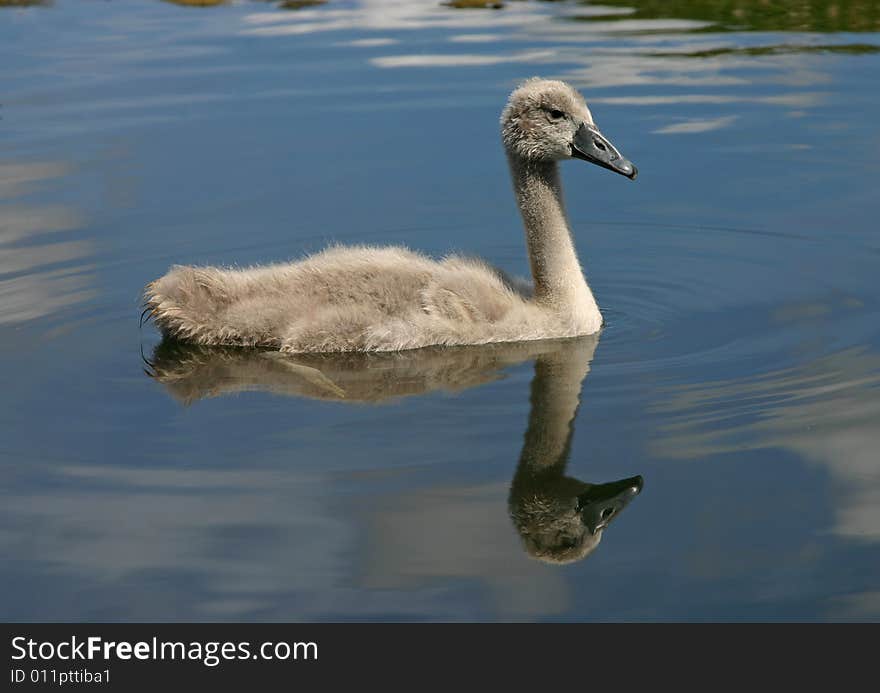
754, 15
474, 4
197, 3
24, 3
846, 49
301, 4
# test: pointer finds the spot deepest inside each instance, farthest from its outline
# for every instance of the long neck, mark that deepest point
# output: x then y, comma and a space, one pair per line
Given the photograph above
556, 271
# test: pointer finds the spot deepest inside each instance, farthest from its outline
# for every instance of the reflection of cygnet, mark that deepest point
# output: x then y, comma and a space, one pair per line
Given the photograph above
559, 518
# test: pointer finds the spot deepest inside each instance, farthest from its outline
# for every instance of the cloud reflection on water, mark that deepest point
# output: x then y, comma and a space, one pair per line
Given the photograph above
40, 273
826, 411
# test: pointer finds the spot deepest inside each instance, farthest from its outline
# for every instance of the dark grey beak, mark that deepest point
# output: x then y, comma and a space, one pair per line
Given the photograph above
601, 503
590, 145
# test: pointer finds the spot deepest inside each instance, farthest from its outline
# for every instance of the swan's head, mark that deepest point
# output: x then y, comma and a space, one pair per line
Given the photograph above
548, 120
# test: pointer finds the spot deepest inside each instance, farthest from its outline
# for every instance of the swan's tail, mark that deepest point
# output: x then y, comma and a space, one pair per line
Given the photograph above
188, 303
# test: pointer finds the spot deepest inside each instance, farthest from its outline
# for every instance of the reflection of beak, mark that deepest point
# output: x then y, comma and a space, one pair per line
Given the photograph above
599, 504
590, 145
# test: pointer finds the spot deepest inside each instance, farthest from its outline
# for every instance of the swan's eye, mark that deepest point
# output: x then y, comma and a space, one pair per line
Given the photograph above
556, 115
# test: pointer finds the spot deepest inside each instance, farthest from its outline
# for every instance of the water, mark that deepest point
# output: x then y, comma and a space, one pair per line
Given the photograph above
738, 375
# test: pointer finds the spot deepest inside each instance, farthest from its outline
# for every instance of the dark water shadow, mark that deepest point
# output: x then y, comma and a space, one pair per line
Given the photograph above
559, 518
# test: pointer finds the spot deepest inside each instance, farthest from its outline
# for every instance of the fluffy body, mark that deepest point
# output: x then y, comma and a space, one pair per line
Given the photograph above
351, 299
390, 299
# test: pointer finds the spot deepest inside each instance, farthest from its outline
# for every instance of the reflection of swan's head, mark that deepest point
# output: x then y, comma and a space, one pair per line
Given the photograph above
547, 120
561, 519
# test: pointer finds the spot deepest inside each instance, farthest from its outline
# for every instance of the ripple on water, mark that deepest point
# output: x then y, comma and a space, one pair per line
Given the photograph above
698, 298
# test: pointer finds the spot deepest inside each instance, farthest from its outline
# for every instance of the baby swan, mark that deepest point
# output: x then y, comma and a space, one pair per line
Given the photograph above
388, 299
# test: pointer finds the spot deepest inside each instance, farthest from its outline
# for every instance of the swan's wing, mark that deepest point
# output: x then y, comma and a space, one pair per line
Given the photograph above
465, 291
518, 285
